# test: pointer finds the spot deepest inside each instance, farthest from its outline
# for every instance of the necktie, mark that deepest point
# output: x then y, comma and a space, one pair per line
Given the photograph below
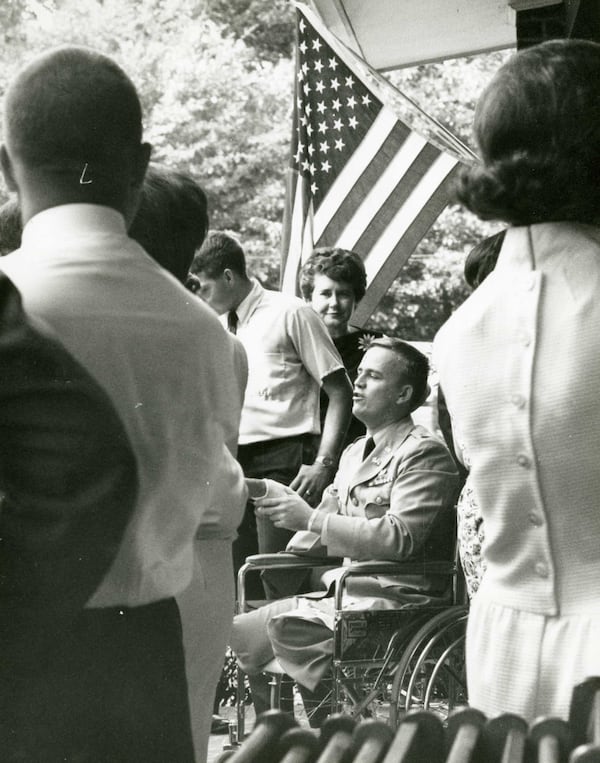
232, 321
369, 447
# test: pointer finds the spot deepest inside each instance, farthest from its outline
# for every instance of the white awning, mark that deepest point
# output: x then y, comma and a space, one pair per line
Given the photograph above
390, 34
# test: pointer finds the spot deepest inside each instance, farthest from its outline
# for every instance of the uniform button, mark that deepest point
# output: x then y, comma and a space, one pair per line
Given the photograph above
535, 519
379, 499
355, 501
524, 461
518, 401
529, 283
377, 461
541, 570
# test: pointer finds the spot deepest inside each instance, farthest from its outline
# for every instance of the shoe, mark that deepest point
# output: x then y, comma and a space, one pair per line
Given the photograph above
219, 725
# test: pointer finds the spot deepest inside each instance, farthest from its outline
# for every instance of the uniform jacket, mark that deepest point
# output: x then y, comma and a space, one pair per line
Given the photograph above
398, 504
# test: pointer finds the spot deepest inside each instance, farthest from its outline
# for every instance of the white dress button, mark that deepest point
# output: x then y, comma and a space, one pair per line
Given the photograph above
524, 461
518, 401
524, 338
535, 519
541, 570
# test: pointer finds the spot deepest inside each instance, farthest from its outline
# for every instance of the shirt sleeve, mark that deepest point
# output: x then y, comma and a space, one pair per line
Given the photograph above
312, 342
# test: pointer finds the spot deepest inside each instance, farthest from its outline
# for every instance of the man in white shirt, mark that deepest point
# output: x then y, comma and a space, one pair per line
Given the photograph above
74, 153
290, 356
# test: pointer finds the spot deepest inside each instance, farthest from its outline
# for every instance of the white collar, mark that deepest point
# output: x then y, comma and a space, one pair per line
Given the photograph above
74, 219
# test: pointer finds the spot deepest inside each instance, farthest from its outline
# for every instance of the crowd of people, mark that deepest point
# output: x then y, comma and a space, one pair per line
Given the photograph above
147, 380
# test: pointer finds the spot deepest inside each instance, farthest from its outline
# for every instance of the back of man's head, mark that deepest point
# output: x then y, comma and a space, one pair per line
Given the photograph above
172, 219
415, 367
71, 106
218, 253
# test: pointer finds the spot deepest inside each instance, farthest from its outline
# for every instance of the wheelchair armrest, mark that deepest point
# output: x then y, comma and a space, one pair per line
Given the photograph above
359, 569
283, 560
286, 559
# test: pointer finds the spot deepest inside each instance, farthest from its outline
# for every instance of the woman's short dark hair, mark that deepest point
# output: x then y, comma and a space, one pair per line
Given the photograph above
172, 219
537, 125
482, 259
11, 226
337, 264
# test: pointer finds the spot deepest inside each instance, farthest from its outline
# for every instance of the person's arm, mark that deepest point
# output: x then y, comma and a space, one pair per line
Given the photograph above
291, 512
313, 478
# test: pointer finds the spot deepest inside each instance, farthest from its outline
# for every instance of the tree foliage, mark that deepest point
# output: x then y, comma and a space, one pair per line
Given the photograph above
215, 78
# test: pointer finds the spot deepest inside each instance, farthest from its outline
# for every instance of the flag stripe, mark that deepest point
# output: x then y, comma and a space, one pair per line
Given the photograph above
389, 192
356, 194
297, 224
378, 132
398, 198
401, 252
408, 213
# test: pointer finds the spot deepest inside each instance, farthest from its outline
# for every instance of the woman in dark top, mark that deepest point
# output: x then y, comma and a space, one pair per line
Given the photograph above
334, 281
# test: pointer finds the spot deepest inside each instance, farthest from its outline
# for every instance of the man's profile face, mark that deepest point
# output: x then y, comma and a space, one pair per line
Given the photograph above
380, 381
216, 292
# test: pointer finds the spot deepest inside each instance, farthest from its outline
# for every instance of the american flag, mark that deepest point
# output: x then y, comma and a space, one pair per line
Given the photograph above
359, 178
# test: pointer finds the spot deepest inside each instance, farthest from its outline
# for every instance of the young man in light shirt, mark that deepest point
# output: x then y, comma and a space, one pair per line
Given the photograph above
290, 357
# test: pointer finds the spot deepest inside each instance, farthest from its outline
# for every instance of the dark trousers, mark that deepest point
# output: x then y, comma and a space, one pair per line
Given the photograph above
279, 460
112, 691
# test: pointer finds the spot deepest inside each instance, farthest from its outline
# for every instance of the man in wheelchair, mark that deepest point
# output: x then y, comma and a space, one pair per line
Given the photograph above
392, 499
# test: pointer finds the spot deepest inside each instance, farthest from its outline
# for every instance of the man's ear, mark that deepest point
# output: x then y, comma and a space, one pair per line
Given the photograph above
142, 160
228, 276
405, 394
7, 169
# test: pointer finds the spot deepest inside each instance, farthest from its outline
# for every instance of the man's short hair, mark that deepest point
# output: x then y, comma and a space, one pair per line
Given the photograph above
69, 106
219, 252
172, 219
416, 366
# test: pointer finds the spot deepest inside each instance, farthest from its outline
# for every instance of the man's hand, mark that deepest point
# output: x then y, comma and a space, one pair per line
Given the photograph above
288, 510
311, 481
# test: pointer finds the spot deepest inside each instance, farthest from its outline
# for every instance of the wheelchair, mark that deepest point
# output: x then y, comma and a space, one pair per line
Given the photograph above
385, 662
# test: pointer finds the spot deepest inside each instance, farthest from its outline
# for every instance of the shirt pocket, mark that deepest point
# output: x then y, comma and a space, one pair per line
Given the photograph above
267, 378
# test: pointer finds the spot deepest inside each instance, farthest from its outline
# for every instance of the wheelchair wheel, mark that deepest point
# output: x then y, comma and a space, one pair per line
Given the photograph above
430, 674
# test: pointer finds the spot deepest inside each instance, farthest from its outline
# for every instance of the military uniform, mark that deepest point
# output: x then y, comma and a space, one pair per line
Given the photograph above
395, 504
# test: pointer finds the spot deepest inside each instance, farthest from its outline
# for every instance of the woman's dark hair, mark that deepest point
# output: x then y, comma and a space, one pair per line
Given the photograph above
537, 125
11, 227
337, 264
172, 219
482, 259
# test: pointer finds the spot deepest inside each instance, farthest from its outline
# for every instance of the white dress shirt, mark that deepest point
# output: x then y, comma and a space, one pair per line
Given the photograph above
158, 353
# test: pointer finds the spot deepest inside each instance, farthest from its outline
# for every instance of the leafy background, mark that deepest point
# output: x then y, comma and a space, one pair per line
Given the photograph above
215, 78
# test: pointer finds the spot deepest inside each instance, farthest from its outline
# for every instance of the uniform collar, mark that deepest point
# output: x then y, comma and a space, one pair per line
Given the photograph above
387, 441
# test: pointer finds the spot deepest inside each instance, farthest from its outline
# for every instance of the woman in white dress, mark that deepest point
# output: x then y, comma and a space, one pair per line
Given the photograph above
519, 363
